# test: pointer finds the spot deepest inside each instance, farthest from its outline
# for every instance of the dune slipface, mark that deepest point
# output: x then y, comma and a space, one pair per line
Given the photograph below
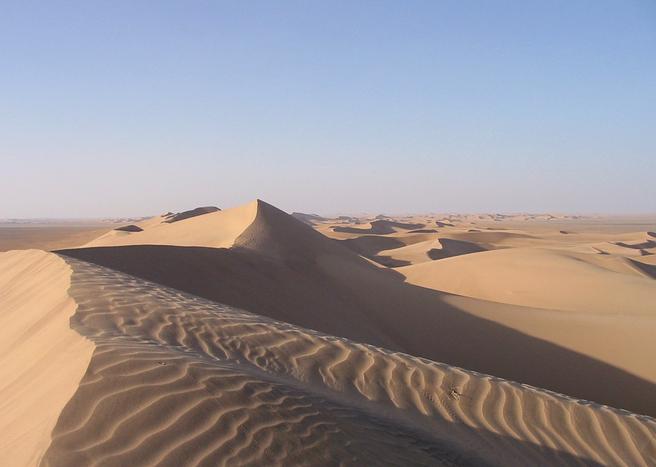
179, 380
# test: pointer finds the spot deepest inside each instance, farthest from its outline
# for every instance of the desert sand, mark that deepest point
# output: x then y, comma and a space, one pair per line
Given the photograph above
48, 235
41, 358
247, 336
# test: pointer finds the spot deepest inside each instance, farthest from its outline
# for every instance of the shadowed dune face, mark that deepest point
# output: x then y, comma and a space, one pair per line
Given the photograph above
309, 219
370, 245
129, 228
346, 296
379, 227
178, 380
170, 218
292, 290
638, 246
396, 252
648, 269
490, 240
275, 234
452, 247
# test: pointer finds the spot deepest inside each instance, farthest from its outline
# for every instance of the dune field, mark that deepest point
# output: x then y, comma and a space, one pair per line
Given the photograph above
249, 336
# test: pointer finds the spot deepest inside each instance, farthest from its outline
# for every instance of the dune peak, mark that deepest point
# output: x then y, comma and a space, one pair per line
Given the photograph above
170, 217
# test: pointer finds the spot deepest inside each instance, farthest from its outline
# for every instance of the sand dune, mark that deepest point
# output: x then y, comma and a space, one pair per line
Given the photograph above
309, 219
247, 337
129, 228
435, 248
542, 278
379, 227
216, 229
393, 251
178, 380
169, 218
646, 265
636, 245
41, 359
279, 267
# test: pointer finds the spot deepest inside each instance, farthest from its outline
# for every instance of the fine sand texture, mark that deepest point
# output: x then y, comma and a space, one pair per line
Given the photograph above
178, 380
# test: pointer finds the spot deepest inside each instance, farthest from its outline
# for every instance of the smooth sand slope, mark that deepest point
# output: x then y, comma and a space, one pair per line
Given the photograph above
262, 260
178, 380
599, 305
41, 359
212, 229
542, 278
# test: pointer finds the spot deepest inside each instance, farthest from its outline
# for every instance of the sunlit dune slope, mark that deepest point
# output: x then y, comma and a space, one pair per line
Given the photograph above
542, 278
212, 229
41, 359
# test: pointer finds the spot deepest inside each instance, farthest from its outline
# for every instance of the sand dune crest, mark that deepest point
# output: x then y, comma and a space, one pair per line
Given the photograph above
41, 359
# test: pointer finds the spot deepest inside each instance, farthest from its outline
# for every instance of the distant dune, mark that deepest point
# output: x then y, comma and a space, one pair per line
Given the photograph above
379, 227
170, 217
542, 278
129, 228
309, 219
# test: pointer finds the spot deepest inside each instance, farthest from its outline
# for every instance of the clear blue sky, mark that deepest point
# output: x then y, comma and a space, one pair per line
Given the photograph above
136, 107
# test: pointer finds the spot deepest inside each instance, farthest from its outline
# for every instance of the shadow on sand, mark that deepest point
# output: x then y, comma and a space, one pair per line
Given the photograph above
351, 298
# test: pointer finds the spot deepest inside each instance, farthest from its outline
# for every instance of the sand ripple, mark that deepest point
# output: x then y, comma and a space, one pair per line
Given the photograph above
179, 380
